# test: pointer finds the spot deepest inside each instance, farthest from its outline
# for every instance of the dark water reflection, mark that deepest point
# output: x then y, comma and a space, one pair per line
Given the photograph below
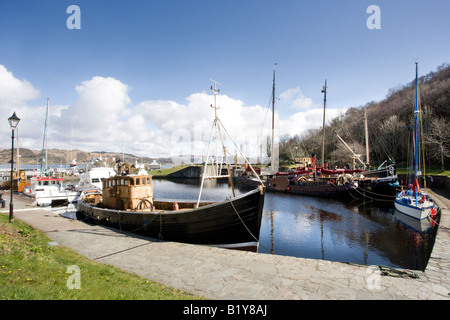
357, 232
309, 227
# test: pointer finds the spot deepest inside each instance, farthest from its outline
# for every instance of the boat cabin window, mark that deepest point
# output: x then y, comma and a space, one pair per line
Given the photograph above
138, 181
45, 183
131, 182
148, 180
95, 180
126, 182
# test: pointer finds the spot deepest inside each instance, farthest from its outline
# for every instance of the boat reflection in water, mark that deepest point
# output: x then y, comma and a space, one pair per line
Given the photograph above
355, 232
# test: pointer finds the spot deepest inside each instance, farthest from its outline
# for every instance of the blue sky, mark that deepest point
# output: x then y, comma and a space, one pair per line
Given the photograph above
153, 54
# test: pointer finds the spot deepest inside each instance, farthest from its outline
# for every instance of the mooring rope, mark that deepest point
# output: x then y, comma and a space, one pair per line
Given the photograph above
257, 240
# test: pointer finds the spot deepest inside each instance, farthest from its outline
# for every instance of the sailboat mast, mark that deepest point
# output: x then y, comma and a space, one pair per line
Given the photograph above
324, 91
367, 137
44, 141
273, 121
416, 127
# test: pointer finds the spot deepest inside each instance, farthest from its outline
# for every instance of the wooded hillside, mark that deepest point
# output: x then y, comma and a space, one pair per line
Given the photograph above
388, 123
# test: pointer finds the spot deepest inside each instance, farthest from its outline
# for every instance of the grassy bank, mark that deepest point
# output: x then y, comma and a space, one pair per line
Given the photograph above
429, 172
31, 268
165, 172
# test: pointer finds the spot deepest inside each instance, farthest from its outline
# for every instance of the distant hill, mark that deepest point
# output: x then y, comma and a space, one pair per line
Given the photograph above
63, 157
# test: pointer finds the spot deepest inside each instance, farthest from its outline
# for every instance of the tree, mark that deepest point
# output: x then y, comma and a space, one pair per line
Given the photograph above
437, 138
392, 134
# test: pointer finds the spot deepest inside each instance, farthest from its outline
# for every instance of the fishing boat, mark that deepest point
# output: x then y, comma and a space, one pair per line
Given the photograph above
127, 203
312, 183
414, 201
50, 191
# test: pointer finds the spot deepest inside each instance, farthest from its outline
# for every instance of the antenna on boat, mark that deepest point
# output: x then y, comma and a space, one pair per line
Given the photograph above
216, 128
216, 91
324, 91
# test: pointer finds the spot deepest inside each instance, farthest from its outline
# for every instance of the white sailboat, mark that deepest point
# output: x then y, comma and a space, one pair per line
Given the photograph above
414, 202
48, 190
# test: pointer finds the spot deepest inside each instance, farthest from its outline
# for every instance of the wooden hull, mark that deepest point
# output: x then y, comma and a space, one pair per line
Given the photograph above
328, 191
378, 189
315, 189
249, 182
211, 224
283, 184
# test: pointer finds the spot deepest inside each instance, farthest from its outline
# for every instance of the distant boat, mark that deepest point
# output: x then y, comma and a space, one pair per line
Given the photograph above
154, 165
91, 180
50, 191
414, 202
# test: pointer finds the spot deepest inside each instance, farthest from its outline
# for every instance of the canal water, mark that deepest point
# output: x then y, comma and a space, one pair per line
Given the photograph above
319, 228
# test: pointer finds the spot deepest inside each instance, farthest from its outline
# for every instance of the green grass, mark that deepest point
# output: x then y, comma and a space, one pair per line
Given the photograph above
435, 172
164, 172
31, 269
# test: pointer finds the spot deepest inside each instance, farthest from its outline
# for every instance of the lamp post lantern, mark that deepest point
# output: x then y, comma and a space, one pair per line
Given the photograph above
13, 122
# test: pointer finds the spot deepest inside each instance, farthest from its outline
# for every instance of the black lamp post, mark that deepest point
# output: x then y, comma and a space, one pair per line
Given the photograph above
13, 122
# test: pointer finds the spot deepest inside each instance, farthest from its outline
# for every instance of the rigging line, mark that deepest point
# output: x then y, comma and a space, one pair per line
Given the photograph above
245, 159
145, 225
231, 202
364, 194
421, 138
379, 142
345, 185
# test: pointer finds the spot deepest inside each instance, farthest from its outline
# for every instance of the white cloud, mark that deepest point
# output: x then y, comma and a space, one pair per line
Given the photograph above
103, 118
96, 120
14, 92
14, 96
308, 115
186, 128
296, 99
300, 122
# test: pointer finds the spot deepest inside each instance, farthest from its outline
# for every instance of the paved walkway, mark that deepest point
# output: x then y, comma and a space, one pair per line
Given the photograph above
228, 274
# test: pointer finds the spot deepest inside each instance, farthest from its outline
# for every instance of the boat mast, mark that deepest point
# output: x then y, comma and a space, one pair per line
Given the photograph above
44, 142
216, 127
367, 138
272, 163
324, 91
416, 162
